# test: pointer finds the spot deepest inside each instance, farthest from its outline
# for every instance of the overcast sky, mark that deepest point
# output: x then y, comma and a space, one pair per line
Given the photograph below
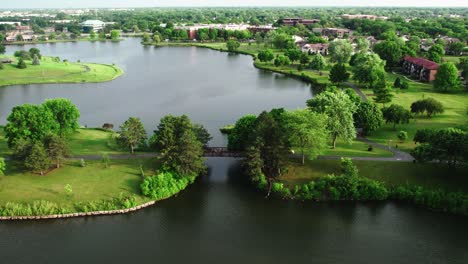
5, 4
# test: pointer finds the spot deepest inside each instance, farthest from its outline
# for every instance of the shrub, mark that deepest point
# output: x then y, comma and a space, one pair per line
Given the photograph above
164, 185
402, 136
21, 64
36, 208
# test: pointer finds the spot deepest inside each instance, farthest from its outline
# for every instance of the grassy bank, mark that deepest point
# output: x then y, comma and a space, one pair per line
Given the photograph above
431, 176
57, 72
91, 183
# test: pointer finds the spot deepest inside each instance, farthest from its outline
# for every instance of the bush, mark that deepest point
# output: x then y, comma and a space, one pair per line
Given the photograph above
402, 136
21, 64
164, 185
439, 200
37, 208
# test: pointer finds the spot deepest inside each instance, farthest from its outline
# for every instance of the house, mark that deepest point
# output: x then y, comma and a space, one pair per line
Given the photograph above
335, 32
422, 69
94, 25
317, 48
295, 21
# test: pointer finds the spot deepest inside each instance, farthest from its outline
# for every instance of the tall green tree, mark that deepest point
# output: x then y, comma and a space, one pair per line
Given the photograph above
340, 51
383, 93
37, 160
180, 150
368, 116
65, 113
339, 109
396, 114
446, 77
56, 148
338, 73
317, 62
293, 54
240, 136
369, 69
132, 134
32, 122
390, 51
2, 49
307, 131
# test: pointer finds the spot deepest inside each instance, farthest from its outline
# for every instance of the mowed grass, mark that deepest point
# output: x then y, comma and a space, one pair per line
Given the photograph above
57, 72
432, 176
87, 141
455, 115
356, 149
90, 183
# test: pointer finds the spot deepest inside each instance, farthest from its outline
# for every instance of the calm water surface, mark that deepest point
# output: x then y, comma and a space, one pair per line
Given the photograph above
219, 219
212, 87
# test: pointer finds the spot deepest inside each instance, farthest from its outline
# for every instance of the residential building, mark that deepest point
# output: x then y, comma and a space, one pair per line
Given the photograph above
317, 48
295, 21
334, 32
422, 69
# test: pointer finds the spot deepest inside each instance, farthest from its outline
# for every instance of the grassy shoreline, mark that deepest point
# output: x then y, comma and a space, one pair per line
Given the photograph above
50, 72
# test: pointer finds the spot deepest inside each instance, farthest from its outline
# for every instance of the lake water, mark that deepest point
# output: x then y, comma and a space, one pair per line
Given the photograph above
221, 218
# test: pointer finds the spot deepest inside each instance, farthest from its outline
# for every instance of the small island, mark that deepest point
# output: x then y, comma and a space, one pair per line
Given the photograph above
30, 67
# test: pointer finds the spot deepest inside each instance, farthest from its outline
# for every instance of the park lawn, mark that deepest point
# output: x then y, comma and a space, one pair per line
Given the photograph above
432, 176
356, 149
57, 72
91, 183
85, 141
453, 59
89, 141
455, 115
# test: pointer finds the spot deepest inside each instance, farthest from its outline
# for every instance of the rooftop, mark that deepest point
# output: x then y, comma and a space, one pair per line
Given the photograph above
422, 62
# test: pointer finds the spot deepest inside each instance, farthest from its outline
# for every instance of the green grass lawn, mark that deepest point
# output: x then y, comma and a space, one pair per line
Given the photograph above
83, 142
57, 72
432, 176
356, 149
90, 183
455, 115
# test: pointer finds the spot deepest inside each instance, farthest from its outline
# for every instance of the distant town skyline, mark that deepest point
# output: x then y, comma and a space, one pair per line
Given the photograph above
234, 3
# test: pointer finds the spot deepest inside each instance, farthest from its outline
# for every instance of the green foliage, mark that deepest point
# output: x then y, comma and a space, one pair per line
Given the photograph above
32, 122
132, 134
340, 109
369, 69
105, 160
232, 45
307, 131
396, 114
448, 145
338, 73
438, 200
37, 208
2, 166
390, 51
82, 163
65, 113
317, 62
36, 60
37, 160
430, 106
122, 202
266, 55
68, 190
282, 60
383, 94
362, 44
181, 151
164, 185
293, 54
239, 138
368, 116
21, 64
340, 51
202, 134
35, 51
446, 77
23, 54
56, 148
115, 35
402, 136
2, 48
348, 168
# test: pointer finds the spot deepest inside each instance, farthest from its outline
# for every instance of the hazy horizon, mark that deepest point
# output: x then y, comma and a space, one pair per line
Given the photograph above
34, 4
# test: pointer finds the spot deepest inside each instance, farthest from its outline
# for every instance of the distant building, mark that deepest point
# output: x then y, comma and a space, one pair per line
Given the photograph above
295, 21
422, 69
317, 48
369, 17
335, 32
10, 23
93, 25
